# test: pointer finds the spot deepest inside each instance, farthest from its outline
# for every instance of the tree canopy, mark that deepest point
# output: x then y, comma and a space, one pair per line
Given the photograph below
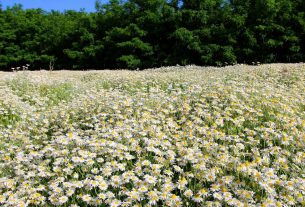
141, 34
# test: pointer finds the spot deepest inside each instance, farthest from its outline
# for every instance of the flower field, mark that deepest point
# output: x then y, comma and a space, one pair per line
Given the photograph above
179, 136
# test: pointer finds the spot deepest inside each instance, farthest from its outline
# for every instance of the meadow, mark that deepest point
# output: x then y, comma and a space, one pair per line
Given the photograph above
176, 136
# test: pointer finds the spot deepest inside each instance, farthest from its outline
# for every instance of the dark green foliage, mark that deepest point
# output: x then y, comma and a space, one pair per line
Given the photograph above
141, 34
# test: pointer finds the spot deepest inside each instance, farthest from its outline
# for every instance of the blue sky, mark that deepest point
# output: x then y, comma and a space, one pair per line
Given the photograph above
48, 5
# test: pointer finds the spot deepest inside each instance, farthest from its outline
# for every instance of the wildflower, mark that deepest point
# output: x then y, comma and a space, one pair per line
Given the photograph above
102, 185
63, 199
95, 170
116, 180
70, 192
134, 195
197, 198
153, 197
102, 196
115, 203
143, 189
2, 199
206, 142
146, 163
182, 183
86, 198
188, 193
150, 179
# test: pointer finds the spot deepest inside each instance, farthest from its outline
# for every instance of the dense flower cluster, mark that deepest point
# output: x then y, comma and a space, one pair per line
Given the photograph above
166, 137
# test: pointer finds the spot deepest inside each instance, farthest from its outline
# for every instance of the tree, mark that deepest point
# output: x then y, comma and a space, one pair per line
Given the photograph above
142, 34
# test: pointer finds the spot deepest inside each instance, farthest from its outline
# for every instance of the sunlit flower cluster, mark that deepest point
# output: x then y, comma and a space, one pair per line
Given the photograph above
181, 136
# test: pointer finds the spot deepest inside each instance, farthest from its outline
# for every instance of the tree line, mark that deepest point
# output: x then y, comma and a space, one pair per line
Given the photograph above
144, 34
